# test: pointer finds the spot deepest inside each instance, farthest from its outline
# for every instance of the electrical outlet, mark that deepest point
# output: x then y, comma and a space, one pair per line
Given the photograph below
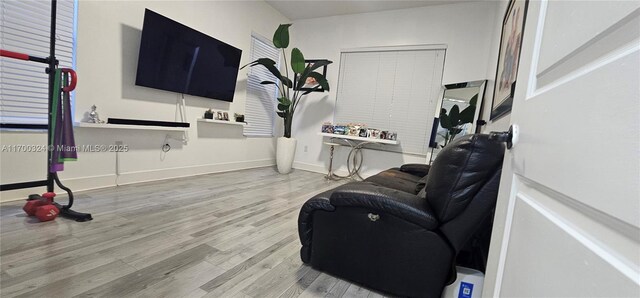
306, 148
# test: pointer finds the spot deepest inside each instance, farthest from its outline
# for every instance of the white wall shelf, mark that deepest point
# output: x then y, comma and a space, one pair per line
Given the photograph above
331, 135
222, 122
125, 126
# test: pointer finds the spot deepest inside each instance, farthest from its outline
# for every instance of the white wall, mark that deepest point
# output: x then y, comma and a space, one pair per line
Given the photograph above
466, 28
107, 51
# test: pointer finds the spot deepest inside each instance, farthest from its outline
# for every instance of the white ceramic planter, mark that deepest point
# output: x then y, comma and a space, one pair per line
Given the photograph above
285, 151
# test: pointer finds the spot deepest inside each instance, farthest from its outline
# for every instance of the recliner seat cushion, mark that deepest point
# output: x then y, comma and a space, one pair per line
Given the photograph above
416, 169
396, 179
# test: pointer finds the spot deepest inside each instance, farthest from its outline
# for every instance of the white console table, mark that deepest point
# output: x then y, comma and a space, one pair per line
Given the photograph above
355, 155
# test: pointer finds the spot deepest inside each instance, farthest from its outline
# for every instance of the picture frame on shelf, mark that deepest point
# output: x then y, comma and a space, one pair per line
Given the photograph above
508, 58
311, 84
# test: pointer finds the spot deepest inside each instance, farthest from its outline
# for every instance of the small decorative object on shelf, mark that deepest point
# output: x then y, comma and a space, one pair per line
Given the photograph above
239, 117
208, 114
327, 127
340, 129
354, 129
93, 115
392, 136
383, 135
219, 116
225, 116
374, 133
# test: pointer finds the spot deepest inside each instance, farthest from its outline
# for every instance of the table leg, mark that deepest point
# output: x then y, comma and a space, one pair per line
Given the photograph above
353, 158
330, 173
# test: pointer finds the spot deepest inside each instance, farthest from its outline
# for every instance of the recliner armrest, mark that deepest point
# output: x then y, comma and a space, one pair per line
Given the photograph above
416, 169
305, 222
385, 200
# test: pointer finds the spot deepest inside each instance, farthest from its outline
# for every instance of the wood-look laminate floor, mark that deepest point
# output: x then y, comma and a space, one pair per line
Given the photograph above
220, 235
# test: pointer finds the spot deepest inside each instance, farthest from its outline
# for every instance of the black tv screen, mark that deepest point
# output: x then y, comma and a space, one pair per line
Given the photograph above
177, 58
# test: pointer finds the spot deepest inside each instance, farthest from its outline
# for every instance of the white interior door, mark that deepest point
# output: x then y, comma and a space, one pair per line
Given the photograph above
568, 215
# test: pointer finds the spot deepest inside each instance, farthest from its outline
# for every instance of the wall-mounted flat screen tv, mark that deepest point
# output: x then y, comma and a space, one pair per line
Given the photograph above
176, 58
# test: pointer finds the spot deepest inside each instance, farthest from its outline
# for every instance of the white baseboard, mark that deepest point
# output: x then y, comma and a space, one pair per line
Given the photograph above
309, 167
102, 181
161, 174
317, 168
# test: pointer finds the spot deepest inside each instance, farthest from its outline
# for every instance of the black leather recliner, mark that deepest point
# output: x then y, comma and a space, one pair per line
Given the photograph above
394, 240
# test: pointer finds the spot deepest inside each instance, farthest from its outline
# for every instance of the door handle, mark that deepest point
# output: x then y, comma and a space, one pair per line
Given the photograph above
510, 137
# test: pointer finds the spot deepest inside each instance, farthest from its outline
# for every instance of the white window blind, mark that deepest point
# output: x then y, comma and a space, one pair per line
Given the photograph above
261, 99
25, 27
392, 90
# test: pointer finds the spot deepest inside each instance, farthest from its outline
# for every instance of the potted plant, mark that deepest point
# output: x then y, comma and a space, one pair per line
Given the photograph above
454, 121
290, 95
208, 114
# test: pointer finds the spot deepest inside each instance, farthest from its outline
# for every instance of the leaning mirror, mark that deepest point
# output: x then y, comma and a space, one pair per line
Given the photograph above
458, 112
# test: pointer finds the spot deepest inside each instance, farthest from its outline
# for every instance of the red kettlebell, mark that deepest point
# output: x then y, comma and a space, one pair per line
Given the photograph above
47, 212
48, 197
33, 202
30, 207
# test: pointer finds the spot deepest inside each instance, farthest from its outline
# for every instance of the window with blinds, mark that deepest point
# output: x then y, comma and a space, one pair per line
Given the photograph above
25, 27
261, 99
392, 90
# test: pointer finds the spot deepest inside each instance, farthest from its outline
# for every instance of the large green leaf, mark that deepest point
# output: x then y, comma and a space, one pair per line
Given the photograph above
473, 100
310, 68
297, 61
261, 61
454, 115
321, 80
284, 101
268, 64
282, 107
271, 66
466, 116
286, 81
444, 119
282, 114
268, 83
302, 78
281, 36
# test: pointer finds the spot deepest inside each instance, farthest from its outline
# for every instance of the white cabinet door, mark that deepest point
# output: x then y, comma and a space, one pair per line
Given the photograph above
568, 214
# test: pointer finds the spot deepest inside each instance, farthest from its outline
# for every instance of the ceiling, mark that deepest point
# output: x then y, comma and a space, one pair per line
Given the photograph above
307, 9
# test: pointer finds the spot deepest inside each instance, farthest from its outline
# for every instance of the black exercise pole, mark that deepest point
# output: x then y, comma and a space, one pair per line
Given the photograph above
51, 70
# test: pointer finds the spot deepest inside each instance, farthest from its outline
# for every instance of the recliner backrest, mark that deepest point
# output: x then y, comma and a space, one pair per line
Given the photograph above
459, 171
473, 219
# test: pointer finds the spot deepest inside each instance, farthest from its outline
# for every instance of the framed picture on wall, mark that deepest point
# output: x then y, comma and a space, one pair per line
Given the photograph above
508, 58
311, 83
